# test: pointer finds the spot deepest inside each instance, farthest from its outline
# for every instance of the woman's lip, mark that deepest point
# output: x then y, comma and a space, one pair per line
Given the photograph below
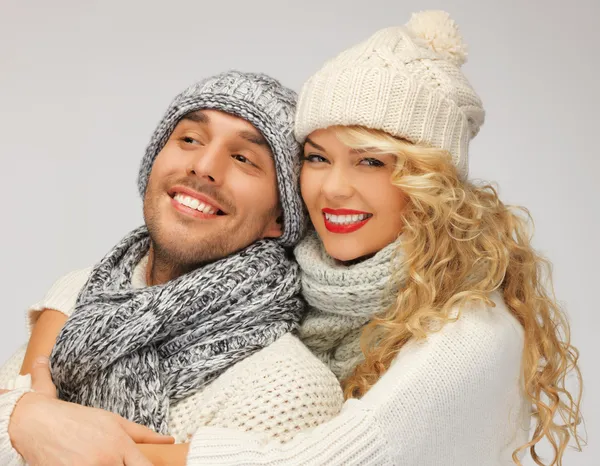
345, 228
327, 210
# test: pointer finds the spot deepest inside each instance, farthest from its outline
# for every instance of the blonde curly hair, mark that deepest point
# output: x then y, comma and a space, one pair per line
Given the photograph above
460, 243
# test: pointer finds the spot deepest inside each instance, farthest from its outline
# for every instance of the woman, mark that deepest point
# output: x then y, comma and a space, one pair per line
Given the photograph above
427, 298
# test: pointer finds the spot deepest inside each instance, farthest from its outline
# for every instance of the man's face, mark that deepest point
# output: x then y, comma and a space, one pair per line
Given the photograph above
212, 190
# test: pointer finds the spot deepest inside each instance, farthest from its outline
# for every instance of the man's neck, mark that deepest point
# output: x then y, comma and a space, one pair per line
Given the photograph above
159, 270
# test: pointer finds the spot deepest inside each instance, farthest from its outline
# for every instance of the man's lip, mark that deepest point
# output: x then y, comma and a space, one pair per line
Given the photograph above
191, 193
327, 210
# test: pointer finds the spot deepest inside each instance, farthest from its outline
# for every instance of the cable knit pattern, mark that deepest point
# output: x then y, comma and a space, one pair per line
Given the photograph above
455, 398
342, 300
277, 392
403, 80
137, 351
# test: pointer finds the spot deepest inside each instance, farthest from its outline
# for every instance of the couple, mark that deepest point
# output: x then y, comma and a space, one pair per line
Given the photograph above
413, 328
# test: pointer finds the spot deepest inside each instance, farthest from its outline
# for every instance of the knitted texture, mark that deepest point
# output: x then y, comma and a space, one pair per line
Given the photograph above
455, 398
342, 299
276, 392
460, 388
405, 81
136, 351
8, 455
268, 106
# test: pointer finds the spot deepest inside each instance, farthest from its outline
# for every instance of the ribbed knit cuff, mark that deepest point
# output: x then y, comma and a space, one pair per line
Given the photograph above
19, 382
351, 439
8, 455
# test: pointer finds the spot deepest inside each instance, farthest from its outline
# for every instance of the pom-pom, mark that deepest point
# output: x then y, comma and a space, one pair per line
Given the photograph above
440, 33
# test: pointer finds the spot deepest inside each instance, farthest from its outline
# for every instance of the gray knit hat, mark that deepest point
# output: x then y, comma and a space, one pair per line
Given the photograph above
268, 106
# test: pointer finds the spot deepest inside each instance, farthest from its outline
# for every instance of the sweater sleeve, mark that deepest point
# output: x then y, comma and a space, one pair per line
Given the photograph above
8, 455
453, 398
61, 296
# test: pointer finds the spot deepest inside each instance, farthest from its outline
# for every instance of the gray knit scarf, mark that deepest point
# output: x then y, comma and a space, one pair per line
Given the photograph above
134, 351
342, 299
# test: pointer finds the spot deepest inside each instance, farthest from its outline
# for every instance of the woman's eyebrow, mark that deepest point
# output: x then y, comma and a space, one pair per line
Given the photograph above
316, 146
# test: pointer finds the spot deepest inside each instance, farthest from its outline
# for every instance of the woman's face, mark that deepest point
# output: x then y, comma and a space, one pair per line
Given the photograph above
349, 195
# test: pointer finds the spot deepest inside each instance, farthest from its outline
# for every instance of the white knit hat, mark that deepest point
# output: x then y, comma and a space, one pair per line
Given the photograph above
405, 81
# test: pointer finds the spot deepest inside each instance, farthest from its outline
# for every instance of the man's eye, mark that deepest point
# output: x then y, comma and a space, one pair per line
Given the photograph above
241, 158
190, 140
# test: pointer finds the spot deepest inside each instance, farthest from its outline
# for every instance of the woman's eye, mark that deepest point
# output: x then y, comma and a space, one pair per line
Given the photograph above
314, 158
371, 162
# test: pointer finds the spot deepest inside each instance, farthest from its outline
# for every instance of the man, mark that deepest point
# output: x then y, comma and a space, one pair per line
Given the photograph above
199, 293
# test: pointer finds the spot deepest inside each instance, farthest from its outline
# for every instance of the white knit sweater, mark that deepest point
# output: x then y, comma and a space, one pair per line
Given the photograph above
453, 399
275, 393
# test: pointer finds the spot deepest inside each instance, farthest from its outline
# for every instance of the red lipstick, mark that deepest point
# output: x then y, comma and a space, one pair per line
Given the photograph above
348, 227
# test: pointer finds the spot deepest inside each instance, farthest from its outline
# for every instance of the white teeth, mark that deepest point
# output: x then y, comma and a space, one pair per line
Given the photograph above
193, 203
345, 219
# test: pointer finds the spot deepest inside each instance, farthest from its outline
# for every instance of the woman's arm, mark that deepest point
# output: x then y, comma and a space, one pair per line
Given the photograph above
165, 455
43, 337
451, 399
47, 317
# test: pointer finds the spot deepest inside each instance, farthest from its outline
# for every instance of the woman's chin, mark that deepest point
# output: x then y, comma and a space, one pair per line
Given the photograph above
344, 254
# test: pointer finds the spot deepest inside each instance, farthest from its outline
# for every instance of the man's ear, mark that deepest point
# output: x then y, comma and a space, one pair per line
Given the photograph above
275, 227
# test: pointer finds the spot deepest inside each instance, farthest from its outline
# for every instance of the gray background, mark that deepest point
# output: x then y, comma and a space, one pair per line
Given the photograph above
82, 85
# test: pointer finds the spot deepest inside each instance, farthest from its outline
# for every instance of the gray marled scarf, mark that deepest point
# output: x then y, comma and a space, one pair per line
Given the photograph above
134, 351
342, 300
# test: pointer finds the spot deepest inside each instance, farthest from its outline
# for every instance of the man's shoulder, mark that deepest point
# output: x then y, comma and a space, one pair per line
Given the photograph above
288, 351
285, 362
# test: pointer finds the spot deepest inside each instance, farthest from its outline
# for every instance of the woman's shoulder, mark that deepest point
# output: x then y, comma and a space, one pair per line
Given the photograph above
476, 356
480, 335
489, 322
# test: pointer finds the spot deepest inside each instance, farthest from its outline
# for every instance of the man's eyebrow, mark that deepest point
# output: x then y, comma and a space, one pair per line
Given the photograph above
198, 116
254, 138
316, 146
